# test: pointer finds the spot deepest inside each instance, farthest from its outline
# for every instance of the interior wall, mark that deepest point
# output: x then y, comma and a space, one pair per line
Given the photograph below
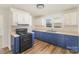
78, 19
6, 36
37, 21
42, 20
1, 30
60, 17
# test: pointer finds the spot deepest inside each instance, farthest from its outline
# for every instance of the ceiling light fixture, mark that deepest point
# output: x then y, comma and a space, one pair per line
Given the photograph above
40, 6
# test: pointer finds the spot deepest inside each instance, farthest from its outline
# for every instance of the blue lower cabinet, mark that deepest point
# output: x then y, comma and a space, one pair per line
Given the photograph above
33, 37
56, 39
36, 34
65, 41
15, 45
47, 37
72, 42
61, 41
44, 36
53, 38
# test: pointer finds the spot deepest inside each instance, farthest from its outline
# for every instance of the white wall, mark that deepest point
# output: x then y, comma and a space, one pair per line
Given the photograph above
6, 25
56, 18
78, 20
67, 17
1, 25
1, 30
37, 21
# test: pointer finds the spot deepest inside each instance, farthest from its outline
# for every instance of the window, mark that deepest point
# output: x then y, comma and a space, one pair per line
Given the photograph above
48, 23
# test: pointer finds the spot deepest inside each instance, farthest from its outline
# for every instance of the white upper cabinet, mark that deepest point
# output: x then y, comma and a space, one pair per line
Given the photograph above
14, 18
70, 18
28, 19
20, 17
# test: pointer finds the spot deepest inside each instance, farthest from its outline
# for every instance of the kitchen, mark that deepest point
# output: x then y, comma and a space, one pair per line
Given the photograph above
55, 25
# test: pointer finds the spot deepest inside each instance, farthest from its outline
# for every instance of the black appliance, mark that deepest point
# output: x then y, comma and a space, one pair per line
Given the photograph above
25, 40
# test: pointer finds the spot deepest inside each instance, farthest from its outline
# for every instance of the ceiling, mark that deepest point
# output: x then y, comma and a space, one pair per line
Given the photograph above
48, 9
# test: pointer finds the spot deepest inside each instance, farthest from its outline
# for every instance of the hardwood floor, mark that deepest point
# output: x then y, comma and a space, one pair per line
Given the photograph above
40, 47
5, 50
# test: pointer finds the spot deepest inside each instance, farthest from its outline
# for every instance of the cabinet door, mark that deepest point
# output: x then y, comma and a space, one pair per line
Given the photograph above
53, 38
70, 18
27, 19
60, 40
15, 44
15, 19
57, 39
36, 34
20, 19
44, 36
73, 18
66, 19
49, 37
72, 42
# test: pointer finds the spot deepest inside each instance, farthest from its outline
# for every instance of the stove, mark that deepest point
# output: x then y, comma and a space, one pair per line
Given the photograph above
24, 41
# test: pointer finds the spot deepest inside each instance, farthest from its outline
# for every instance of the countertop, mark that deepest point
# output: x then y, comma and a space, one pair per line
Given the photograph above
13, 33
74, 31
60, 32
66, 31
